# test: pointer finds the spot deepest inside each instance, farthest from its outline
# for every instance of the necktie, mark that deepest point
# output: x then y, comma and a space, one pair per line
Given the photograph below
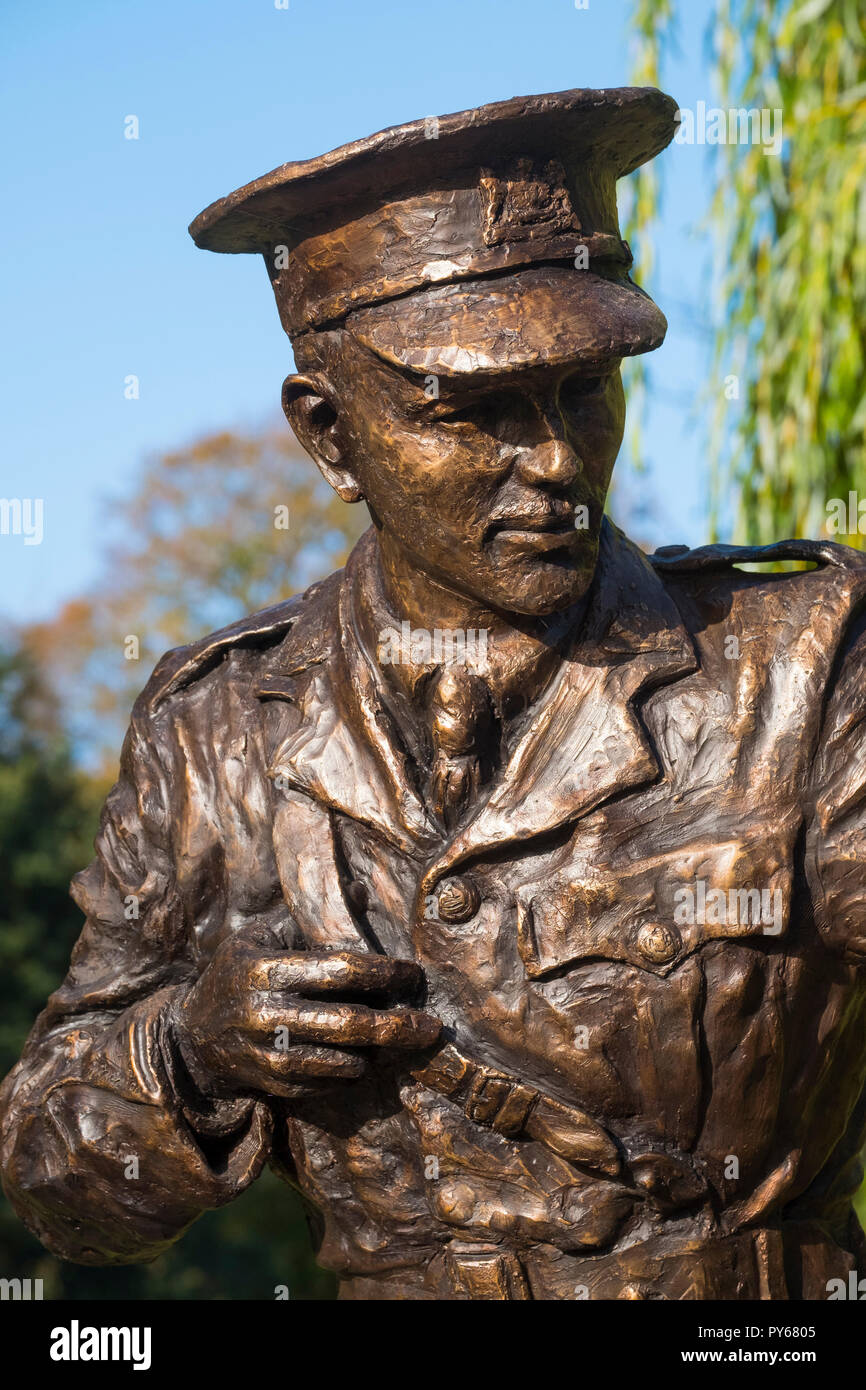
459, 708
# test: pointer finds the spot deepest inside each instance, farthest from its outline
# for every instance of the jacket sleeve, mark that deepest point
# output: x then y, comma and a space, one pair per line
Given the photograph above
108, 1152
836, 834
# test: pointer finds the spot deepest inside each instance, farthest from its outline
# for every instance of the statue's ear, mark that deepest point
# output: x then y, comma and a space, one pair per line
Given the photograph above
315, 421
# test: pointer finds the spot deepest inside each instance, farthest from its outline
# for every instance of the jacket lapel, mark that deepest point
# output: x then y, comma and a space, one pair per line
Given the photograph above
343, 750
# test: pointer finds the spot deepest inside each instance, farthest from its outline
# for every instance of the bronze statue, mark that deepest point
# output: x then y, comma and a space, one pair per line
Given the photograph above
506, 890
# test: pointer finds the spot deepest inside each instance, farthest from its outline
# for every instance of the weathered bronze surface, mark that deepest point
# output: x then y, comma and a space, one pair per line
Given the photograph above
506, 889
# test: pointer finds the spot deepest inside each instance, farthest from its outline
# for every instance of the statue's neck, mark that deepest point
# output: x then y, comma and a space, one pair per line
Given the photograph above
514, 655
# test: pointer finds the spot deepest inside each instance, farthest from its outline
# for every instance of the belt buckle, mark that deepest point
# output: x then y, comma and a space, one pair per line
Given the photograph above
486, 1272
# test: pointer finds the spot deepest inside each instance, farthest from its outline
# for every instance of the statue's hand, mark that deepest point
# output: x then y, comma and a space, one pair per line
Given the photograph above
267, 1020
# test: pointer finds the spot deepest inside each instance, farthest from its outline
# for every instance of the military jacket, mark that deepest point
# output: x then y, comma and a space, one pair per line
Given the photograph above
646, 942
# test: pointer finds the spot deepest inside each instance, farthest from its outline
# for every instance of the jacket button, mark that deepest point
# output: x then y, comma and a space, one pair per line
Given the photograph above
657, 943
457, 900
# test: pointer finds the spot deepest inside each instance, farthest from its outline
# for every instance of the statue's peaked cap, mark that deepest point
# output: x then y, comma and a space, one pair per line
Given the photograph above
486, 241
622, 127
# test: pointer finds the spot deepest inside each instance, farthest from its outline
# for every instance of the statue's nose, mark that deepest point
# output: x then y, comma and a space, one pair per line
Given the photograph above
554, 461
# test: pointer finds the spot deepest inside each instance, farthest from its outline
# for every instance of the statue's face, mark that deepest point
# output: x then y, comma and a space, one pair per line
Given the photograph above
496, 490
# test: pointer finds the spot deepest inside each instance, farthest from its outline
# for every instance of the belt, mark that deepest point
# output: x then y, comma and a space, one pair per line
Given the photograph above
746, 1265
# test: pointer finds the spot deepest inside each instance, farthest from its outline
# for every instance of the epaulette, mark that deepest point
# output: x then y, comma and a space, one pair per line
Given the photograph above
720, 557
178, 667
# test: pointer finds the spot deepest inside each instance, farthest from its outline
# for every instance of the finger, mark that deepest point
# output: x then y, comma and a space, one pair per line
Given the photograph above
353, 1025
270, 1069
324, 972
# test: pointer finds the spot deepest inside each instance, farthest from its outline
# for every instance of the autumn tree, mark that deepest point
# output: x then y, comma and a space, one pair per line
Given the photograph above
213, 531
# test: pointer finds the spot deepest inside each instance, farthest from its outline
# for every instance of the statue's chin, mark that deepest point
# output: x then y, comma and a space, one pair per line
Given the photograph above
537, 598
546, 588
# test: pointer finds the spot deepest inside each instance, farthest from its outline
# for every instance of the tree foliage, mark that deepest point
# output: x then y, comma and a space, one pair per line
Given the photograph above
792, 239
652, 28
212, 532
47, 821
795, 252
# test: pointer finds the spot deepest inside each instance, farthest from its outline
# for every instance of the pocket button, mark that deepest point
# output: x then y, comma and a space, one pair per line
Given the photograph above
457, 900
657, 943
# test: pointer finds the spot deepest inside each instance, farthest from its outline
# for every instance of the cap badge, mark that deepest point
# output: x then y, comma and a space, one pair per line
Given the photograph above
526, 205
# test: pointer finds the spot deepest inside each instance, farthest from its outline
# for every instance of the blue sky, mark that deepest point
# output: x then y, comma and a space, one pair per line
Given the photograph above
101, 279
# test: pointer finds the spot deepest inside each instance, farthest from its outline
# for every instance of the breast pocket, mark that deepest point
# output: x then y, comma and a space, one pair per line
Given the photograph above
653, 910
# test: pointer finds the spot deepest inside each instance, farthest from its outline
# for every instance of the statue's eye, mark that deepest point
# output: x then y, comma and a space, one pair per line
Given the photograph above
577, 389
484, 414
